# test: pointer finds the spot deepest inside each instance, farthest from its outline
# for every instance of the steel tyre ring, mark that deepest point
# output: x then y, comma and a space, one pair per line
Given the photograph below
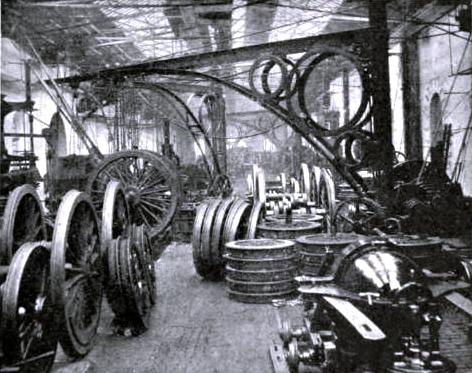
203, 268
254, 220
205, 246
115, 216
114, 291
217, 245
23, 221
28, 314
236, 222
76, 273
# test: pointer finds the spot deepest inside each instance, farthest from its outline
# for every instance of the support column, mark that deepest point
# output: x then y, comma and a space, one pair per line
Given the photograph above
411, 100
381, 108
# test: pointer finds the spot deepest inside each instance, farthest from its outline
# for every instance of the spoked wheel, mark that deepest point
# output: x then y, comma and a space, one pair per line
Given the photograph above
76, 273
359, 215
151, 185
28, 318
23, 221
115, 216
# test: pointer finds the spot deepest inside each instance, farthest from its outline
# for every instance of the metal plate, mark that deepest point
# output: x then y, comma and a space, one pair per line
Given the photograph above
250, 287
23, 221
260, 248
28, 315
76, 273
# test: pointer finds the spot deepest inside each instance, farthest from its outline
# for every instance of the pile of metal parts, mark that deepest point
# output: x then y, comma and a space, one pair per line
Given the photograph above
247, 238
377, 310
52, 284
62, 278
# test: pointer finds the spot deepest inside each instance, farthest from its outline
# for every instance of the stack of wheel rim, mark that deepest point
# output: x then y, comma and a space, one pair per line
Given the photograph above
422, 249
260, 270
316, 249
217, 222
282, 229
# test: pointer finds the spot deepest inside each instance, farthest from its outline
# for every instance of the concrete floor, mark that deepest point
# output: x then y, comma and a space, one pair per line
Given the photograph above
196, 328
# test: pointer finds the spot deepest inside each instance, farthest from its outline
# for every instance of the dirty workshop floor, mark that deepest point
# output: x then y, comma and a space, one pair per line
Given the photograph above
195, 328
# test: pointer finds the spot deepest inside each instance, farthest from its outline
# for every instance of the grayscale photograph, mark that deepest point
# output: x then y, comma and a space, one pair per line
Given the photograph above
236, 186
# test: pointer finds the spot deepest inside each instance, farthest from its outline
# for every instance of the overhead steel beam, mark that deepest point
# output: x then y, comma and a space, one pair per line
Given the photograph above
222, 57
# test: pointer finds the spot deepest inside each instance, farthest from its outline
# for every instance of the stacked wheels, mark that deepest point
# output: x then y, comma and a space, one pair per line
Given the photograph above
218, 221
318, 251
52, 290
260, 270
288, 230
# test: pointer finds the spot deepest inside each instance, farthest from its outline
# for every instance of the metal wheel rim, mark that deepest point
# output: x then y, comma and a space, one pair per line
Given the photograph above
34, 226
207, 229
76, 340
115, 216
218, 226
197, 230
31, 259
254, 220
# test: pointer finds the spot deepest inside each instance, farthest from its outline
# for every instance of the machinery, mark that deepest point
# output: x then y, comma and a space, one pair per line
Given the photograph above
379, 312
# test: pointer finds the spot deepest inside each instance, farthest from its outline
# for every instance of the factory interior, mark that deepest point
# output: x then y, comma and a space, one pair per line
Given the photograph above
232, 186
